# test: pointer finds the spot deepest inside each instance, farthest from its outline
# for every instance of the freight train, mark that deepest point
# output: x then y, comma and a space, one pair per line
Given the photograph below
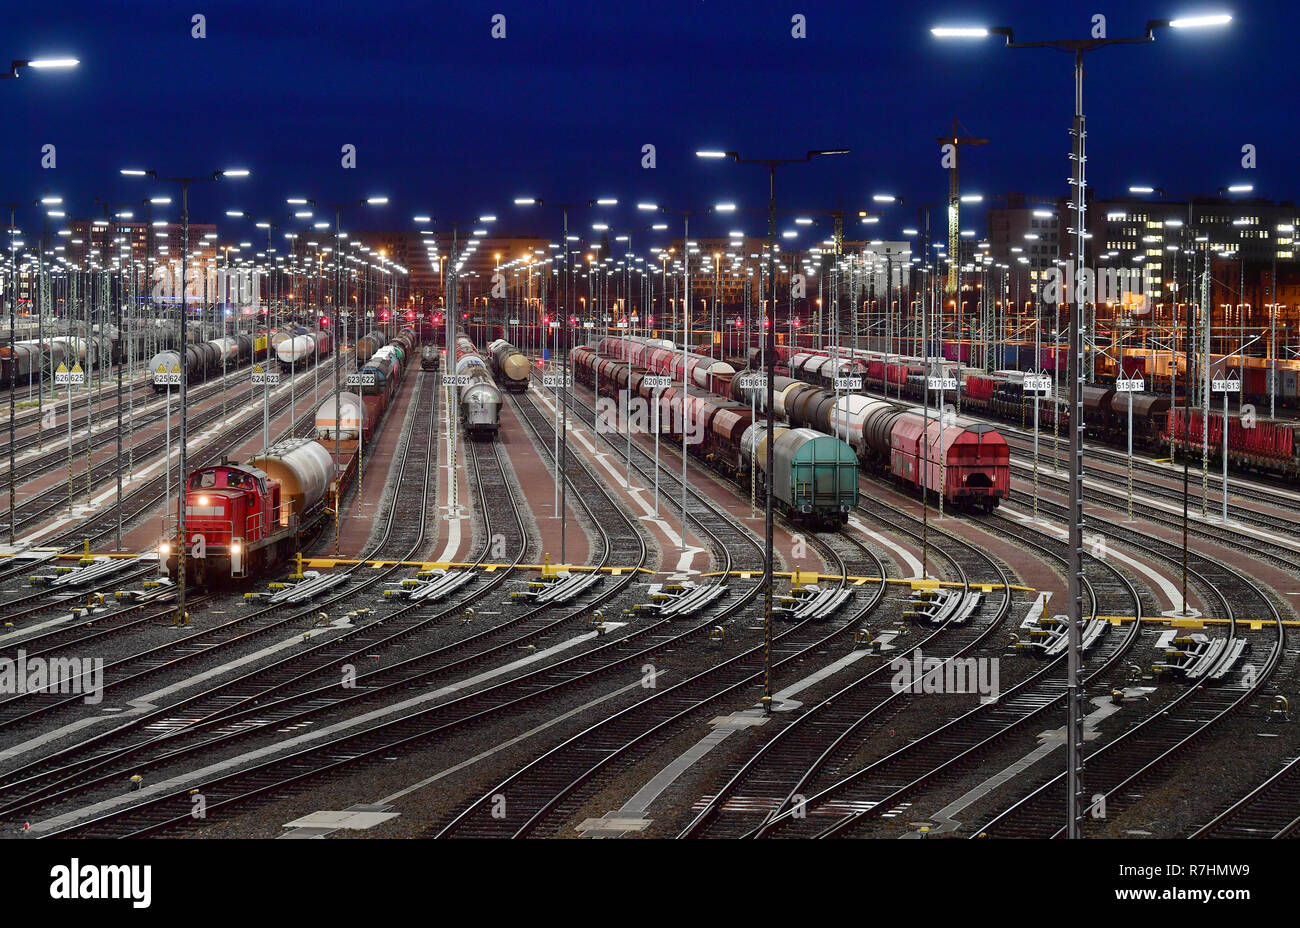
509, 365
253, 517
1000, 395
480, 400
965, 462
303, 348
814, 477
106, 346
1269, 446
205, 359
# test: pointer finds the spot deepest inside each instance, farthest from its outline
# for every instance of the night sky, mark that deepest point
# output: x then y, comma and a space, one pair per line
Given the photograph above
448, 120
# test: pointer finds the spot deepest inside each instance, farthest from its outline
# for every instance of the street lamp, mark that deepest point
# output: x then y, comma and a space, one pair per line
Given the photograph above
770, 370
451, 289
561, 467
181, 617
14, 68
338, 357
1074, 563
39, 64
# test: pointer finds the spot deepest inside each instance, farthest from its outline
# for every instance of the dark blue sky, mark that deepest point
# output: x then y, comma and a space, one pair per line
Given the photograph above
446, 118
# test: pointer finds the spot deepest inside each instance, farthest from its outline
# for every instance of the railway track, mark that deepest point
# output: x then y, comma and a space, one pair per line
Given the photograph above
23, 418
139, 502
1117, 500
1270, 810
765, 788
1021, 439
51, 776
1112, 769
135, 668
550, 788
400, 680
42, 505
1271, 491
945, 751
153, 409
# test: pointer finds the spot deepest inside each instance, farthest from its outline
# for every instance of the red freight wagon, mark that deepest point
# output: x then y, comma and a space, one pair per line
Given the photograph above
722, 442
969, 464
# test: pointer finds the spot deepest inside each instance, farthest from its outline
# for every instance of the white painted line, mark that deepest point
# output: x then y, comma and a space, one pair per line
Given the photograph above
28, 630
393, 797
906, 556
1208, 521
1172, 593
148, 702
445, 478
1048, 742
786, 696
674, 538
722, 728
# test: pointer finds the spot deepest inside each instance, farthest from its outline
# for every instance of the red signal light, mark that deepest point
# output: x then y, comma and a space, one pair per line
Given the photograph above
383, 317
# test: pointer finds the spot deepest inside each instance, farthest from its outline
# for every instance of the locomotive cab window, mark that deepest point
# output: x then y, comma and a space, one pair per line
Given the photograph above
203, 480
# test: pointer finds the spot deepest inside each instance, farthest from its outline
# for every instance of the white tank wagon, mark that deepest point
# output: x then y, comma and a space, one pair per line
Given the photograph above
480, 399
303, 350
304, 469
347, 425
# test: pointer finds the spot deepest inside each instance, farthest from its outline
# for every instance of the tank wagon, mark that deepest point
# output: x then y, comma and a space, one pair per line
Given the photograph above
510, 366
814, 476
480, 399
253, 517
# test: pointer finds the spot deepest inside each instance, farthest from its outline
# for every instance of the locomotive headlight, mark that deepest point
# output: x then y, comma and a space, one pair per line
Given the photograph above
164, 549
203, 500
234, 545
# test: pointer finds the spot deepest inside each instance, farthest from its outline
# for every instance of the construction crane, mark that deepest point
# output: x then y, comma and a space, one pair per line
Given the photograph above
956, 140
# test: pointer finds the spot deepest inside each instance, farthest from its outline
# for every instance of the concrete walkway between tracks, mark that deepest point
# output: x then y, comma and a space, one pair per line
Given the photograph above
1049, 742
631, 816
